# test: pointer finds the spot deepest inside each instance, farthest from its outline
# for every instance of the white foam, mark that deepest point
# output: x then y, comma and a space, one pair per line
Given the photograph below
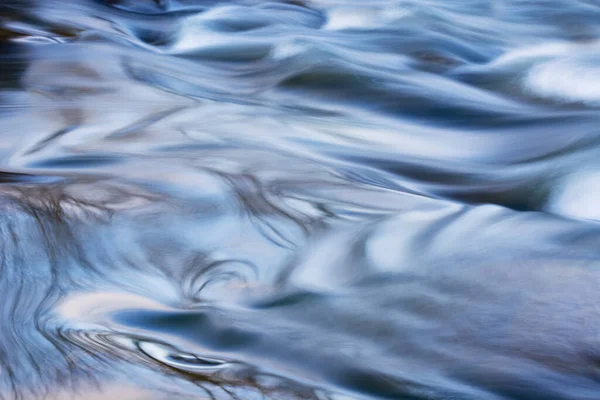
363, 17
566, 79
579, 196
560, 71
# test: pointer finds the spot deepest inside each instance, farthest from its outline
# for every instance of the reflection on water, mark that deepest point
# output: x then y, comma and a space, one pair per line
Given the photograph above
320, 199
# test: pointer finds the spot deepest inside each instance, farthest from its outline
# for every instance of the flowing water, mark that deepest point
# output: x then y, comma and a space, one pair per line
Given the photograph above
320, 199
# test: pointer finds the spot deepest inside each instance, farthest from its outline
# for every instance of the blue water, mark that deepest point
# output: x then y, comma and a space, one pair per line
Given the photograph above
320, 199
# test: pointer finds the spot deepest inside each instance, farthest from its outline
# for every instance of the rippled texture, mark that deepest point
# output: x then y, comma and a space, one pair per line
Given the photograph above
320, 199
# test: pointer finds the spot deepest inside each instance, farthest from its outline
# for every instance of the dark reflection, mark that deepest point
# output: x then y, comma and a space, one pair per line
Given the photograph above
102, 280
64, 240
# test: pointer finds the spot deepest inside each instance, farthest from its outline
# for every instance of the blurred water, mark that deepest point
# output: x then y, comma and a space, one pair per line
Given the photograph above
320, 199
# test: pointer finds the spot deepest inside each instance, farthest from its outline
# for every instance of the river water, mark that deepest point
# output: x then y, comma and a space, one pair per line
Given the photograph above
320, 199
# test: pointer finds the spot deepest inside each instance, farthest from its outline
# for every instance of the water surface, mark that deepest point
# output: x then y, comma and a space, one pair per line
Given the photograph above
320, 199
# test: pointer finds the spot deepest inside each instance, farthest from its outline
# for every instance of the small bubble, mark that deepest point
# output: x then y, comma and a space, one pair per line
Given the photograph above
180, 360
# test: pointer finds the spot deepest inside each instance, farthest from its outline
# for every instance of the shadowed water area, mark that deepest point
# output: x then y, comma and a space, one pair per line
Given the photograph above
319, 199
